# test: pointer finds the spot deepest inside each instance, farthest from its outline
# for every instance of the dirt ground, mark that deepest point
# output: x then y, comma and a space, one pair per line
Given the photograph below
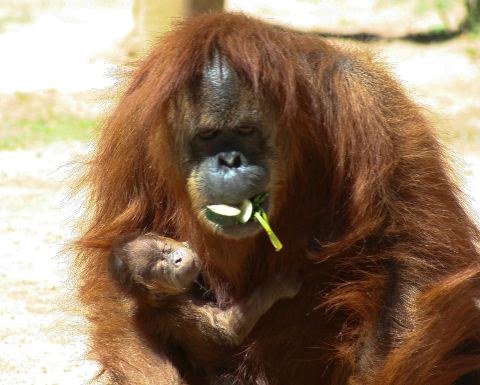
37, 342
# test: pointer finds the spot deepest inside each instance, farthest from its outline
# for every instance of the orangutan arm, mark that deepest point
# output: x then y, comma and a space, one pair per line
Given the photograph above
203, 327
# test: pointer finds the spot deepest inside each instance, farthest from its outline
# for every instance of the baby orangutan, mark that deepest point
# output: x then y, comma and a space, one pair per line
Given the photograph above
171, 309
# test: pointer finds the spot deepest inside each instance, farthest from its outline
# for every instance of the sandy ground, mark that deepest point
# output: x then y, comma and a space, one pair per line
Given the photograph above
36, 344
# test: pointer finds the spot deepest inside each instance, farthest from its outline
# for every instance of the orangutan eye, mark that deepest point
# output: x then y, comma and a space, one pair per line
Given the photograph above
207, 133
245, 130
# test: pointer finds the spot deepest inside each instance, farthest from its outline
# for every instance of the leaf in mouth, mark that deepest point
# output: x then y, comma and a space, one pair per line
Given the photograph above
230, 215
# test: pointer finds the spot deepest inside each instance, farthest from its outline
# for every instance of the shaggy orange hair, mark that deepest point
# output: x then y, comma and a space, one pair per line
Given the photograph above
391, 297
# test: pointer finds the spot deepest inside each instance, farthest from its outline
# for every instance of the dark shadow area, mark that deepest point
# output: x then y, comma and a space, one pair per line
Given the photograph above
422, 37
366, 37
432, 36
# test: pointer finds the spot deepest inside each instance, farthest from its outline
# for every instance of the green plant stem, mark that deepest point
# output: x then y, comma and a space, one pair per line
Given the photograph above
264, 223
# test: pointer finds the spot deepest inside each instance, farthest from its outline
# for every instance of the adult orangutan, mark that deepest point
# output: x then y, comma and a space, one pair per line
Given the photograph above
226, 108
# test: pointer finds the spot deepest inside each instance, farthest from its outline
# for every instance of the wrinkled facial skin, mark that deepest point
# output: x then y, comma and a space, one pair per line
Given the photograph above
165, 266
227, 144
177, 268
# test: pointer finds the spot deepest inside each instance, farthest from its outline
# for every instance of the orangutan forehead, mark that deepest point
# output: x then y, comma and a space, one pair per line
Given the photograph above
220, 98
220, 86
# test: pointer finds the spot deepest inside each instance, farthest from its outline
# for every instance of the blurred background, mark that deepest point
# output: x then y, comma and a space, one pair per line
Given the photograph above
58, 65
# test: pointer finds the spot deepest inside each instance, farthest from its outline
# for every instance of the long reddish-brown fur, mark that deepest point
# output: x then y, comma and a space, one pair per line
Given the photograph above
392, 294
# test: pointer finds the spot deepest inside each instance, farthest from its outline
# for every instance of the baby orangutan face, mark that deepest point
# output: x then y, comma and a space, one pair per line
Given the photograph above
159, 264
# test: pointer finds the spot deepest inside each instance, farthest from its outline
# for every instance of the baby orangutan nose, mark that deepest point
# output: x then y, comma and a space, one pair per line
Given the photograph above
185, 264
179, 256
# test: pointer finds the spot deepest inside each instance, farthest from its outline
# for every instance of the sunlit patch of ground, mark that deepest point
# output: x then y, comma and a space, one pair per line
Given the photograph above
29, 119
37, 340
63, 48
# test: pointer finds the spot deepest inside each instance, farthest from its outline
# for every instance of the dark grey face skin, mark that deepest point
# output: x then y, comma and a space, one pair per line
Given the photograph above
229, 143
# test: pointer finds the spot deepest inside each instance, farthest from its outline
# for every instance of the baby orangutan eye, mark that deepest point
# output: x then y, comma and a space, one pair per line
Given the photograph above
166, 249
